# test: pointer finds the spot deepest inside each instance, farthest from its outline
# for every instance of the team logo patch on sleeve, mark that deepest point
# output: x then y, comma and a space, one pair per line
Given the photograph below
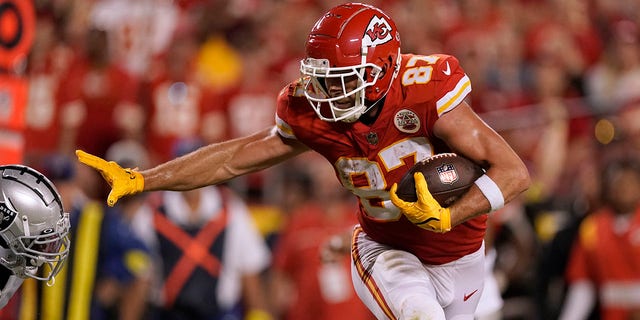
447, 173
407, 121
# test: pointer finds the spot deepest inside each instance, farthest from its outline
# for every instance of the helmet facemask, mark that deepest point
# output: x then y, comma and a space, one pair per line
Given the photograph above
39, 256
317, 71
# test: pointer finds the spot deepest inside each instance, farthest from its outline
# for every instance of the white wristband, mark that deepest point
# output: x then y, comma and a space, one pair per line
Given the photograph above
491, 191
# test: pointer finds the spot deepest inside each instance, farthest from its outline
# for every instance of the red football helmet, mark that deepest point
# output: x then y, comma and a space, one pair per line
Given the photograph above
351, 41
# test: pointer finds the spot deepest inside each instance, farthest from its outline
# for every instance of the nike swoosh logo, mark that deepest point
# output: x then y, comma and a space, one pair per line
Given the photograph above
447, 71
467, 296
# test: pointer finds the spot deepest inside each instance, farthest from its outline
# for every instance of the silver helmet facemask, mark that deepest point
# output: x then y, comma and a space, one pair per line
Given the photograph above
33, 226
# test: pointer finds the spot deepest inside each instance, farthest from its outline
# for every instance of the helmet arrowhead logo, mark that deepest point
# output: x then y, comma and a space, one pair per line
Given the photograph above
378, 32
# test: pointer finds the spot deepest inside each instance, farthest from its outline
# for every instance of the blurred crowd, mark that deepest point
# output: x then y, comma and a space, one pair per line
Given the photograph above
142, 80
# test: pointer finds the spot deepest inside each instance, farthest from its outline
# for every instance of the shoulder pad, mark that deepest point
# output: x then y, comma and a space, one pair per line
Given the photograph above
296, 88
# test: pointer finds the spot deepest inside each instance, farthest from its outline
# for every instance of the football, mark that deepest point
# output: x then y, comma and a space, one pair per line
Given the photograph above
448, 176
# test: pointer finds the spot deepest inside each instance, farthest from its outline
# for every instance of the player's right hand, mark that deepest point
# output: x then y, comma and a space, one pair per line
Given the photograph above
123, 181
425, 213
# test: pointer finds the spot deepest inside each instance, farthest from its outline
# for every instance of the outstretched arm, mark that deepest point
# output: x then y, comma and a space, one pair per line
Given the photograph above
212, 164
221, 162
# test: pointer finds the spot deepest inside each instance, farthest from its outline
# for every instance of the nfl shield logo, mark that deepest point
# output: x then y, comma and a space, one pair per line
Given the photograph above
447, 173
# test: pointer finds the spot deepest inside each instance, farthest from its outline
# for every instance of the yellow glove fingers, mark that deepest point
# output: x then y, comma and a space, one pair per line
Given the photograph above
122, 181
426, 202
422, 190
409, 209
112, 198
97, 163
126, 182
394, 197
426, 212
91, 160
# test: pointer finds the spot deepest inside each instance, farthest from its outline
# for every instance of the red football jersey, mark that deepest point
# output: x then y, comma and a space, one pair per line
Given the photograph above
607, 253
100, 90
368, 159
181, 110
318, 295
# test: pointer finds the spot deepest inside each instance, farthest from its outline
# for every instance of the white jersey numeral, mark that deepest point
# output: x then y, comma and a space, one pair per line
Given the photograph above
366, 178
418, 75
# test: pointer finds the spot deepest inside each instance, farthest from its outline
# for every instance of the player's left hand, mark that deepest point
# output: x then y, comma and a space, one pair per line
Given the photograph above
426, 212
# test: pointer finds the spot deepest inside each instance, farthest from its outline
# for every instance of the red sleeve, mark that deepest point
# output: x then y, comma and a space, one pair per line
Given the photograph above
577, 265
292, 108
580, 263
452, 83
436, 82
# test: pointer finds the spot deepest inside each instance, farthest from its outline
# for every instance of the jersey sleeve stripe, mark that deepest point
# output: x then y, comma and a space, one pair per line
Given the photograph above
284, 129
455, 96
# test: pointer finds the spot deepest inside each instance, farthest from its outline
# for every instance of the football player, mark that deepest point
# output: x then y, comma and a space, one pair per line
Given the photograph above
34, 239
373, 112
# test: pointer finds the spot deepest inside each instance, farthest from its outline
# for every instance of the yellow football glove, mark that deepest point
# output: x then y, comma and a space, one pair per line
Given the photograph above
122, 181
426, 213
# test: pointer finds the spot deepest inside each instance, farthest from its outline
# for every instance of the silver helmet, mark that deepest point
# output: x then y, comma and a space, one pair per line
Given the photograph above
33, 226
